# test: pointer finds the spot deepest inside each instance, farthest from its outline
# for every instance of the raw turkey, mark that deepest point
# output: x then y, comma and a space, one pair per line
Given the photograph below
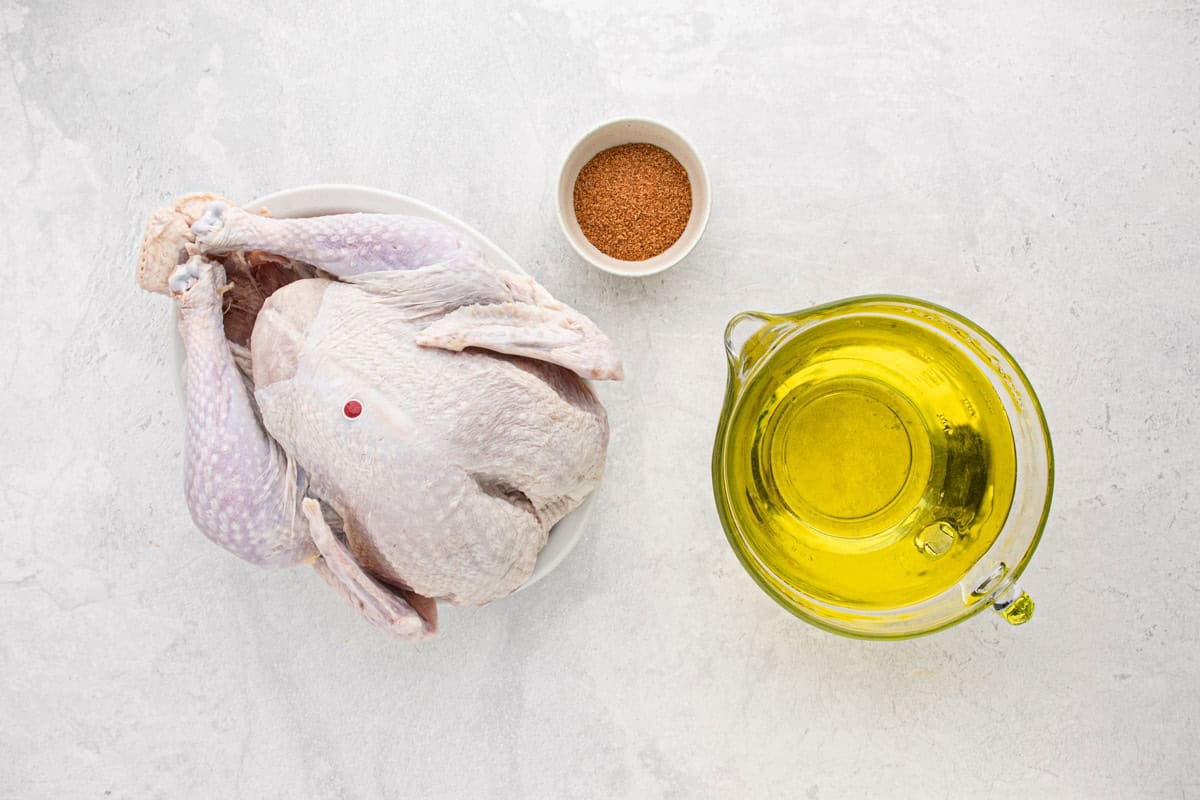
407, 418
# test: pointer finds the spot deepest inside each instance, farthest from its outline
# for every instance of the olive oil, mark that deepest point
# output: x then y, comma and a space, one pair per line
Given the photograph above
871, 463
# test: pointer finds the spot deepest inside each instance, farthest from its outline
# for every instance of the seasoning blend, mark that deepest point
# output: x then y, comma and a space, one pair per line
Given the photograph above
632, 197
633, 201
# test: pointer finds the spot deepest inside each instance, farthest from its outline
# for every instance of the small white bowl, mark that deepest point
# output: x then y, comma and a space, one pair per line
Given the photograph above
633, 131
312, 201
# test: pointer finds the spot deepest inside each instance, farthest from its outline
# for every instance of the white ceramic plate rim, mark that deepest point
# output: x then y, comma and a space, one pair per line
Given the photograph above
308, 201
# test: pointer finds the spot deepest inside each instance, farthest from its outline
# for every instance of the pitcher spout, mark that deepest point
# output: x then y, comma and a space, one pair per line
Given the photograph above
743, 329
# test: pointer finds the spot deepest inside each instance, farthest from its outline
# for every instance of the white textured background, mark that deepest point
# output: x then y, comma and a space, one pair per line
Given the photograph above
1034, 165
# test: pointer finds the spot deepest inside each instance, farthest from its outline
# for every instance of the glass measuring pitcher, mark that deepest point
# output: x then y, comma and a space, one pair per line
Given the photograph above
882, 467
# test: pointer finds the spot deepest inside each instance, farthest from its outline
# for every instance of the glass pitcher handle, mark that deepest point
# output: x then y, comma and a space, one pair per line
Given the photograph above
1014, 605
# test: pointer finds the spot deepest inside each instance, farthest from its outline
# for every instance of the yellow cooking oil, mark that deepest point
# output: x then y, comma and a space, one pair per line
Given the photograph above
871, 462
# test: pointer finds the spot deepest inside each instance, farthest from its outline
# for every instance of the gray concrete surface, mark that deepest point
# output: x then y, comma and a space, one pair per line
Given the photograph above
1033, 165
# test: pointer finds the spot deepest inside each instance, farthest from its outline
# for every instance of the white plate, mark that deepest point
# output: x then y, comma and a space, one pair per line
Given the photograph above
311, 201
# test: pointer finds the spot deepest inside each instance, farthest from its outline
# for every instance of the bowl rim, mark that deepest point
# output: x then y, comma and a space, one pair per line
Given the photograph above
740, 548
562, 538
589, 252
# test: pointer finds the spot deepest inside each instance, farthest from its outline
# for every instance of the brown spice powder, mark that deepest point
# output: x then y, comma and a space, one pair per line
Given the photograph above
633, 201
